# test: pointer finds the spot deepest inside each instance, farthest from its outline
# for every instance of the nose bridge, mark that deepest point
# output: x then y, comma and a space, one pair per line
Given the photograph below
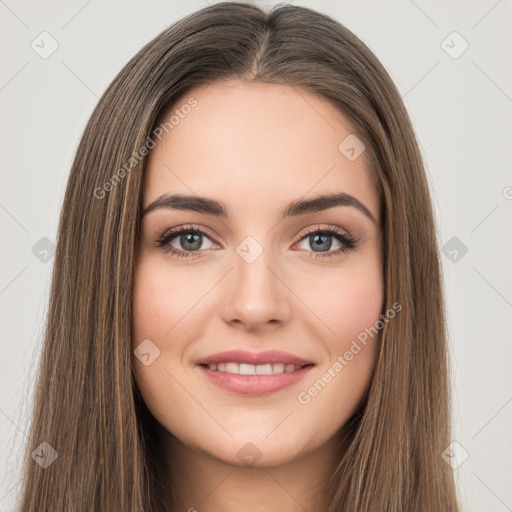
257, 294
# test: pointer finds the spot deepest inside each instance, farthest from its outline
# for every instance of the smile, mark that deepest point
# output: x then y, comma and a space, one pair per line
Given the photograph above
251, 369
249, 374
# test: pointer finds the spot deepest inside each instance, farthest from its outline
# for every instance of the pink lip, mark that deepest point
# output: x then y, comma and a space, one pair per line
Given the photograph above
242, 356
254, 385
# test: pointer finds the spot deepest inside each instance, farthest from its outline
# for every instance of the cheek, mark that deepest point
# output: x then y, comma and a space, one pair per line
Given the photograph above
155, 312
349, 302
162, 298
357, 305
166, 303
345, 301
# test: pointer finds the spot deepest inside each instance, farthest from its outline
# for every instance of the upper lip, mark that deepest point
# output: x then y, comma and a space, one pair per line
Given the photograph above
242, 356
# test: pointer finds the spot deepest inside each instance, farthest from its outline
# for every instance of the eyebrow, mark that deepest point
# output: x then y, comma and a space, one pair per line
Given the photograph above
218, 208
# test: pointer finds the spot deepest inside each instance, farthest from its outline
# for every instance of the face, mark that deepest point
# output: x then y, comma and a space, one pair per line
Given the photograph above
241, 276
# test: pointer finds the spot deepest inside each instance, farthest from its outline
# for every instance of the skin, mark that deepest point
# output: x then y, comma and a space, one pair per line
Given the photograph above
256, 148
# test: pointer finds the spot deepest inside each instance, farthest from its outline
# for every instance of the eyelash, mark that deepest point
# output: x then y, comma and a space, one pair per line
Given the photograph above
349, 242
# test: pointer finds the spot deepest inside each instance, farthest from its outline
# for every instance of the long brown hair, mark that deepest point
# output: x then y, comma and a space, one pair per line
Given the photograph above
87, 407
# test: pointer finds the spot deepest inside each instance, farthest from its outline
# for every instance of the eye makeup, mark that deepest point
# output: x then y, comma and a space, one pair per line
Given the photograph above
316, 235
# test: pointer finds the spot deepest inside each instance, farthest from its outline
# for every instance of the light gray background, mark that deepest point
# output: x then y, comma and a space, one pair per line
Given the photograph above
461, 109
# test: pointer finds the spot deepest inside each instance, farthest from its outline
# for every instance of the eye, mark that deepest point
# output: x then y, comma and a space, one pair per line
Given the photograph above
185, 241
322, 239
190, 239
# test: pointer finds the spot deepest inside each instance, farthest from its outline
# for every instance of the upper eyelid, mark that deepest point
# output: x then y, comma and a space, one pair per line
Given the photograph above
187, 229
328, 228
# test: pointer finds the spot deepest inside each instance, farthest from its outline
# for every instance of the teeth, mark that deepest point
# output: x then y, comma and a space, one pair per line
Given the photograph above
251, 369
245, 369
232, 368
264, 369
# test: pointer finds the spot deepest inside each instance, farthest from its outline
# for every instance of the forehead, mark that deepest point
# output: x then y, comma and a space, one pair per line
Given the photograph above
256, 146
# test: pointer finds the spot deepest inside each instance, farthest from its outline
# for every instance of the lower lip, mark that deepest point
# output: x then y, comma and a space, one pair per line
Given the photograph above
255, 385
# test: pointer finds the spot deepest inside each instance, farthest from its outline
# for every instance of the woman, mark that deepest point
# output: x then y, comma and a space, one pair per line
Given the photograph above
246, 309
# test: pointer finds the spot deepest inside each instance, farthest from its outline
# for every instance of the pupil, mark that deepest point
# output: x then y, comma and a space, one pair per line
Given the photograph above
189, 238
314, 238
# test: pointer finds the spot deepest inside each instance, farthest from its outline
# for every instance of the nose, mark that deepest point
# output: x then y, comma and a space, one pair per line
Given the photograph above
257, 296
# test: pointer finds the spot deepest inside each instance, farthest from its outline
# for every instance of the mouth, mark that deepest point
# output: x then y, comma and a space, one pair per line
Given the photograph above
251, 369
252, 374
